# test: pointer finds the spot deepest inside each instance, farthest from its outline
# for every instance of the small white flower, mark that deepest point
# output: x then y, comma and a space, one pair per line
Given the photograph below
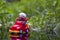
35, 29
29, 24
11, 22
0, 24
54, 3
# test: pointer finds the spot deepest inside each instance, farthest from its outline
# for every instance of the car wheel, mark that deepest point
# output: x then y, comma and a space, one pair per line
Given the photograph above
21, 31
27, 31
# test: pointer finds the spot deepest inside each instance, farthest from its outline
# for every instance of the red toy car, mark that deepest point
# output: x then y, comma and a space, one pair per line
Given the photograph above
18, 27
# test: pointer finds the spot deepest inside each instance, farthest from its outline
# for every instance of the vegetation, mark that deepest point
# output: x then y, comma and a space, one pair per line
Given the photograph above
43, 15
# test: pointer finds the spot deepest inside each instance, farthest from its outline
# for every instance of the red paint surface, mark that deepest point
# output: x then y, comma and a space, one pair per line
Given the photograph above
19, 26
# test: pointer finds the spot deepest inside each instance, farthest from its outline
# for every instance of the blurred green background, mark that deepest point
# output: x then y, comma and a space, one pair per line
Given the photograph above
44, 18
